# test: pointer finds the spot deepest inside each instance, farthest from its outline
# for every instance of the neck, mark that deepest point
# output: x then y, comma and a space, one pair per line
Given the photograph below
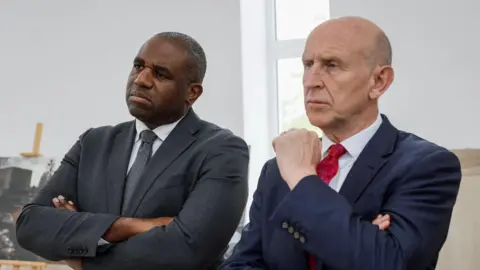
350, 127
154, 124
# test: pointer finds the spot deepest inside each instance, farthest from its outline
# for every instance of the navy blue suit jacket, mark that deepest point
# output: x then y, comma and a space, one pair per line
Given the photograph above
398, 173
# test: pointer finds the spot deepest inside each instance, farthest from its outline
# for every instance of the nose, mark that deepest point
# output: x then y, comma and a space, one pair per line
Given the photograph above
313, 78
144, 78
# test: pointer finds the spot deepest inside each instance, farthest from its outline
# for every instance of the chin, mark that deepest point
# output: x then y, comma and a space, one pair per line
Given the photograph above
138, 113
320, 120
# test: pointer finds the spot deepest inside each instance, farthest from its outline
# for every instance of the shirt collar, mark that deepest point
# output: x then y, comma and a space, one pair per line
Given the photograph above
355, 144
162, 132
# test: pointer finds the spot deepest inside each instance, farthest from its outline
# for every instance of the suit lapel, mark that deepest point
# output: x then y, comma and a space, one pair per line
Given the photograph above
181, 137
117, 167
370, 161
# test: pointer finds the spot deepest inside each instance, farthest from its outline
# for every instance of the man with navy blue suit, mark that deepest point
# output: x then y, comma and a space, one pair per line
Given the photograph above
315, 202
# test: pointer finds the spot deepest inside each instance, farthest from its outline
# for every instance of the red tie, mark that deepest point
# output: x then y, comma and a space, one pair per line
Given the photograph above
326, 170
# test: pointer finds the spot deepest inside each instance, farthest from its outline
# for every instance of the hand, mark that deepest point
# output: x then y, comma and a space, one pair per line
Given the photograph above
298, 152
61, 203
382, 221
75, 264
124, 228
150, 223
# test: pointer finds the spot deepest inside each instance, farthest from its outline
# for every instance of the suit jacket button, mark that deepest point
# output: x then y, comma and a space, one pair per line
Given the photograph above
296, 235
70, 250
285, 225
290, 229
302, 239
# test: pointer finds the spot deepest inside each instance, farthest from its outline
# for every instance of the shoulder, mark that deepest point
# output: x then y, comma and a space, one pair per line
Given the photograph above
105, 132
96, 140
418, 148
421, 155
214, 137
220, 150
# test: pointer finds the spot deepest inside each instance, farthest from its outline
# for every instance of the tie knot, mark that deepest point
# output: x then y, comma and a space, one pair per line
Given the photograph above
337, 150
148, 136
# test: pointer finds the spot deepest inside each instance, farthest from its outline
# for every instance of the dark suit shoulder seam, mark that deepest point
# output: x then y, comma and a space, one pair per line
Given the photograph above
102, 130
420, 163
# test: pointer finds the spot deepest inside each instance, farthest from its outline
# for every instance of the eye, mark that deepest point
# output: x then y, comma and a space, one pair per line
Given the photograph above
161, 76
137, 66
307, 64
331, 64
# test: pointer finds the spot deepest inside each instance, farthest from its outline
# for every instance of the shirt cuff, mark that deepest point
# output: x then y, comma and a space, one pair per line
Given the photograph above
102, 242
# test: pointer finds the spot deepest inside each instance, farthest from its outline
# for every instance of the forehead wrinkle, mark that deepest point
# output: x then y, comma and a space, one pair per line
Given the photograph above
342, 39
329, 47
163, 52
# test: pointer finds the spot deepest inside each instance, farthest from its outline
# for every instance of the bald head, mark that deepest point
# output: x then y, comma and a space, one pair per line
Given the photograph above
347, 67
368, 39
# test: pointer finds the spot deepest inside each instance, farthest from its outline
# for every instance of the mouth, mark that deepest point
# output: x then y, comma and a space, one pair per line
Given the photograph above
317, 102
139, 98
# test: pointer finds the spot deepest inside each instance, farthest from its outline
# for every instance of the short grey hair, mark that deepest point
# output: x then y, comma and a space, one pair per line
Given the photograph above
198, 60
383, 49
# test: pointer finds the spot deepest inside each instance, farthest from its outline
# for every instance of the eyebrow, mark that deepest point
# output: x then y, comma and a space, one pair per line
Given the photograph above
157, 68
331, 58
327, 57
304, 57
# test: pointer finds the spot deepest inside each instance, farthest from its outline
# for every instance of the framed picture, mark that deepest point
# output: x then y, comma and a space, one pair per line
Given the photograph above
20, 180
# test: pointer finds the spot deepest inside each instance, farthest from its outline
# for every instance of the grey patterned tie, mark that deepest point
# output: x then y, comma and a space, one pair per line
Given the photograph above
143, 156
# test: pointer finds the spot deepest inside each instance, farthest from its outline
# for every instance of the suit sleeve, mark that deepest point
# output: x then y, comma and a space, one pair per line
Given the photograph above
56, 234
248, 254
420, 207
198, 236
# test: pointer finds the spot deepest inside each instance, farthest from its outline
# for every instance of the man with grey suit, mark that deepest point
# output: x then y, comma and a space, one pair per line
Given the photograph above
165, 191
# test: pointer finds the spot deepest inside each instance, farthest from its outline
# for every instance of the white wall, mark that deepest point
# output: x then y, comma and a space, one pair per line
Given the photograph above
65, 63
436, 43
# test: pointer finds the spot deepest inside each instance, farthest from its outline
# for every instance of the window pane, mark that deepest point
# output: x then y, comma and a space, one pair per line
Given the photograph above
291, 107
295, 19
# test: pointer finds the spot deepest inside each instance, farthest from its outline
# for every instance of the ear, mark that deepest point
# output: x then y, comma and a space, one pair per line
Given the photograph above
382, 78
194, 92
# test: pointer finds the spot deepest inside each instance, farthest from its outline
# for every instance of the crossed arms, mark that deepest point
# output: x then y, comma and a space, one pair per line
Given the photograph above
212, 210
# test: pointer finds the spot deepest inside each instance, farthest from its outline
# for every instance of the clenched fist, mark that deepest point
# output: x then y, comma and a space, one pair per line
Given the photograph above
298, 151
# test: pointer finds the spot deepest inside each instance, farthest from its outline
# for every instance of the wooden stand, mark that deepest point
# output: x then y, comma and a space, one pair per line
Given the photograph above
16, 265
36, 143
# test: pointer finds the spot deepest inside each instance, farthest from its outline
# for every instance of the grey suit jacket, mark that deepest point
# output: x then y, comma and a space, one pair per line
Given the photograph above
198, 175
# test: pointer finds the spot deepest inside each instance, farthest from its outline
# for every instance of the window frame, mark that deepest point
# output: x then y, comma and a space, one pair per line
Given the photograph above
260, 54
277, 50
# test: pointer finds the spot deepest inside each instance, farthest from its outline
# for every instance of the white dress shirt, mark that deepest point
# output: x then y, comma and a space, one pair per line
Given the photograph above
162, 133
354, 146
